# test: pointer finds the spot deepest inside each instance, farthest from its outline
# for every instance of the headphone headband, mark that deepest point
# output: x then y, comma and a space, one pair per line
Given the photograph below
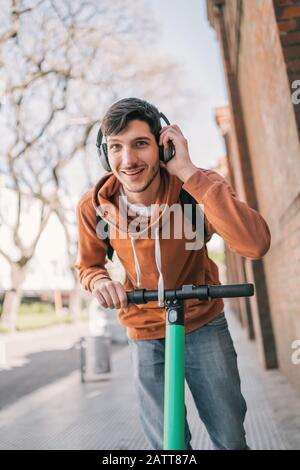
100, 135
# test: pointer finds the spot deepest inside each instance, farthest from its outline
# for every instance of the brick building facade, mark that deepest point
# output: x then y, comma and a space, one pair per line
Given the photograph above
260, 44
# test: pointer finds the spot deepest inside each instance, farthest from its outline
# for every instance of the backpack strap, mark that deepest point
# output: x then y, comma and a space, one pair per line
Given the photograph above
105, 228
110, 250
187, 198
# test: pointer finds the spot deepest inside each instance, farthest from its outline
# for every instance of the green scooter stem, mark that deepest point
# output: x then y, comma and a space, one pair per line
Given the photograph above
174, 411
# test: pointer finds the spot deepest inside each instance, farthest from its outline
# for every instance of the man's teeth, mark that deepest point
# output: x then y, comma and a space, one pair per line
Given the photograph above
133, 172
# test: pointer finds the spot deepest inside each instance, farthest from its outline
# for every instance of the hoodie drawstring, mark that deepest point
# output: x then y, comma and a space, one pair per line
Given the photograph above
160, 285
136, 264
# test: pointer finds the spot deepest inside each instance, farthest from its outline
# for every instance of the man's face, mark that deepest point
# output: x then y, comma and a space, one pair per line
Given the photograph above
133, 156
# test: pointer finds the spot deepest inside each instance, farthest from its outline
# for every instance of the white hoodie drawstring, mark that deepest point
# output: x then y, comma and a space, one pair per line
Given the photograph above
160, 285
137, 264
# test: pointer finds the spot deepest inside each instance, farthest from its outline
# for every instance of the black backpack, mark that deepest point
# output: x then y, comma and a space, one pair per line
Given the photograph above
184, 197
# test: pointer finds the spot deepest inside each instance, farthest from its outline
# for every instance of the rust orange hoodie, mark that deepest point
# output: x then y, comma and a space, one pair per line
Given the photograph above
157, 262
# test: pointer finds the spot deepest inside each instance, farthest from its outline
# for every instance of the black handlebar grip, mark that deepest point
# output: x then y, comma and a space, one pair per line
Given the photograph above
136, 296
234, 290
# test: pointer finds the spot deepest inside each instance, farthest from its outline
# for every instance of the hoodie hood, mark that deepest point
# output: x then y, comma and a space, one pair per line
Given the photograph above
111, 209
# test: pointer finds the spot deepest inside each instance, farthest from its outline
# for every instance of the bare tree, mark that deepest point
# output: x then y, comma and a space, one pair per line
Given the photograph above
63, 63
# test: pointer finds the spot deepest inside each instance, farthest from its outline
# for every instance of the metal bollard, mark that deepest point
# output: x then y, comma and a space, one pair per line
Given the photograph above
94, 357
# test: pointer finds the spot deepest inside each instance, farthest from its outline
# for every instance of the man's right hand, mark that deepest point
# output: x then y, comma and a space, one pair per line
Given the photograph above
110, 294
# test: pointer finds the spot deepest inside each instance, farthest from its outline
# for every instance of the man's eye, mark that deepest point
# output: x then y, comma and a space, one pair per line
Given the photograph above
142, 142
114, 146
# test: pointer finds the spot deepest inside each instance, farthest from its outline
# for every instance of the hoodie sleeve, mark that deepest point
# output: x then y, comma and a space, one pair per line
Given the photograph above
91, 250
243, 229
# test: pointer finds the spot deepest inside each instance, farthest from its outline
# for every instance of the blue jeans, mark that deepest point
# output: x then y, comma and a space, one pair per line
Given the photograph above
212, 375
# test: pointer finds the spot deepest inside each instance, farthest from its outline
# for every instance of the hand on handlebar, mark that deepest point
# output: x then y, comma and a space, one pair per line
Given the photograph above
110, 294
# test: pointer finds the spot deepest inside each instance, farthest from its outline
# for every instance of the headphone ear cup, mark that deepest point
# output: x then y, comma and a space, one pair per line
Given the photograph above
166, 154
161, 153
103, 155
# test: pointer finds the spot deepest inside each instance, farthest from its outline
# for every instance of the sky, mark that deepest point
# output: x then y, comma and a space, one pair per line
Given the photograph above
186, 36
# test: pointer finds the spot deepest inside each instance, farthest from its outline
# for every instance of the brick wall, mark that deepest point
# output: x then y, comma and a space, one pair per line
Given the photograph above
288, 19
263, 46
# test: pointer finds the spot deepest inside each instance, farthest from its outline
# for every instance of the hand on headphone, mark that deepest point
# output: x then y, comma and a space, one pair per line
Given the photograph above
181, 164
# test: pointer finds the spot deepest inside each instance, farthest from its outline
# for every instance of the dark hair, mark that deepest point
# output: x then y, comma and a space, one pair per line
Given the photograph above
120, 113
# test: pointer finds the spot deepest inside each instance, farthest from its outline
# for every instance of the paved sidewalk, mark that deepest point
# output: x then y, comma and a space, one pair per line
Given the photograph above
33, 359
65, 414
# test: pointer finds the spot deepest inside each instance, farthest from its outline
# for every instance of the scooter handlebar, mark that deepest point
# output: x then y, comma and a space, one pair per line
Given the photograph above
234, 290
202, 292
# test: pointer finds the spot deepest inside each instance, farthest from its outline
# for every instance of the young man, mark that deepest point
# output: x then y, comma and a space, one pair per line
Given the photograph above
138, 179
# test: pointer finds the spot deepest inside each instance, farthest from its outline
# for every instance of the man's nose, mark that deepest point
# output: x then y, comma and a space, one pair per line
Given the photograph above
128, 156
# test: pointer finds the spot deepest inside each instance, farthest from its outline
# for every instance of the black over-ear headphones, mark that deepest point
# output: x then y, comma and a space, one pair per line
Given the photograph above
165, 154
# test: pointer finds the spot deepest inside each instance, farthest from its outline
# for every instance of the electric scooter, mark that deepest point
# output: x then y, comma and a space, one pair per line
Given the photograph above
174, 399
